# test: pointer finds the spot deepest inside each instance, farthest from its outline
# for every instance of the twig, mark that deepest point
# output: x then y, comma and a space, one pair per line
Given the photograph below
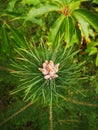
50, 118
78, 102
50, 110
65, 121
6, 69
16, 113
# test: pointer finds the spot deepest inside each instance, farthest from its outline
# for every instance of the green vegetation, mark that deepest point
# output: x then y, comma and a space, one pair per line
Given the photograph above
49, 64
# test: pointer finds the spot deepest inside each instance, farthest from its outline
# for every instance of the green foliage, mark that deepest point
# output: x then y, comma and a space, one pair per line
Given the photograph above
42, 10
68, 10
11, 40
29, 2
93, 50
71, 97
70, 14
88, 16
33, 82
5, 40
11, 5
95, 1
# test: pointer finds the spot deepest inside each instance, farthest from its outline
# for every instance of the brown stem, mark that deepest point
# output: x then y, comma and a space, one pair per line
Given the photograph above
16, 113
50, 118
6, 69
78, 102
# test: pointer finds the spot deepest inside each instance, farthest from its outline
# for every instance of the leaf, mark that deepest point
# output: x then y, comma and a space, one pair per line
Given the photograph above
5, 40
18, 37
95, 1
84, 26
77, 34
31, 2
93, 51
39, 22
41, 10
58, 2
74, 5
91, 48
92, 44
11, 5
97, 60
55, 28
89, 16
69, 28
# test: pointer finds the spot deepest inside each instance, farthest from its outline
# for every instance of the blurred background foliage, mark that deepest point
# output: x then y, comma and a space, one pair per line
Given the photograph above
23, 21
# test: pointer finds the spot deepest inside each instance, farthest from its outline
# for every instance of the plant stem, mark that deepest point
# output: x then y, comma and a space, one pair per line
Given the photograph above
6, 69
78, 102
50, 110
50, 118
16, 113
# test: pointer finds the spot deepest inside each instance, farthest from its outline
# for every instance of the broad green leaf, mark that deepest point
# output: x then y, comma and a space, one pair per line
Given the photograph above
71, 1
91, 48
11, 5
84, 26
39, 22
89, 16
59, 2
97, 60
92, 44
5, 40
69, 28
35, 12
31, 2
66, 2
93, 51
95, 1
55, 29
74, 5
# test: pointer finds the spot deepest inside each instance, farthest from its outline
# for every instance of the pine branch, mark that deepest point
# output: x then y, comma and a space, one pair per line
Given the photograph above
6, 69
78, 102
68, 121
51, 118
16, 113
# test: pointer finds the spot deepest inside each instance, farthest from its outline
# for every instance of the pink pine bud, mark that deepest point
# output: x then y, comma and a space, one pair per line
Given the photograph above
49, 70
47, 77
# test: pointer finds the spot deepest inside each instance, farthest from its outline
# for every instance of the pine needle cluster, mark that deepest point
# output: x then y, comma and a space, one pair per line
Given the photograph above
28, 67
